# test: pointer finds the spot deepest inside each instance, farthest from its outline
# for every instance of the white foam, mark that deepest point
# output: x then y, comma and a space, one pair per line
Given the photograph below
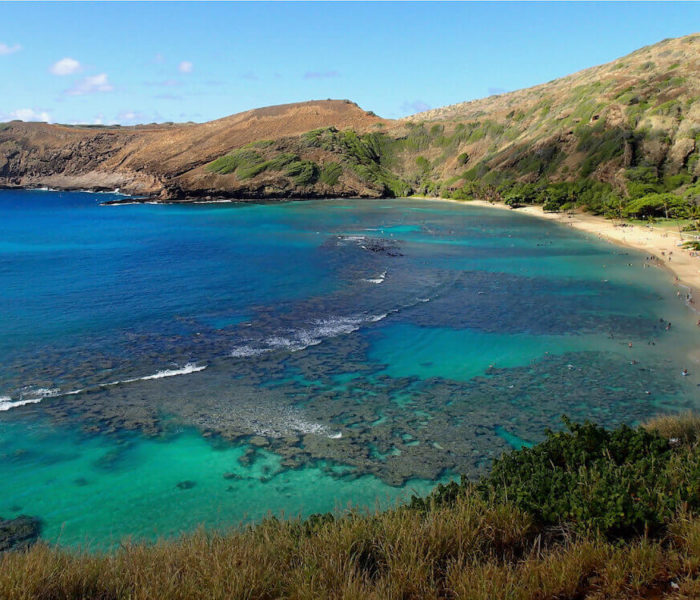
186, 370
115, 191
300, 339
6, 402
34, 396
220, 201
28, 396
39, 393
245, 350
377, 280
299, 425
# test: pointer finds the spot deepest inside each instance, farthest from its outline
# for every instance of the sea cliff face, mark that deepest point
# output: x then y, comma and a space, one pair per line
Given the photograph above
627, 124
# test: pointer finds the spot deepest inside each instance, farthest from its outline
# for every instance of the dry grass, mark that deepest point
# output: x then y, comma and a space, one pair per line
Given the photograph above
470, 550
685, 428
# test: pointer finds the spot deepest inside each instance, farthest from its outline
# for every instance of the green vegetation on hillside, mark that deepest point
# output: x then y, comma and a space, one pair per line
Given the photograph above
368, 155
619, 140
247, 163
400, 166
588, 513
365, 155
617, 484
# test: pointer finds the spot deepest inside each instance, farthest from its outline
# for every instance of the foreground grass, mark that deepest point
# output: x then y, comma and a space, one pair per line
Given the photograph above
465, 546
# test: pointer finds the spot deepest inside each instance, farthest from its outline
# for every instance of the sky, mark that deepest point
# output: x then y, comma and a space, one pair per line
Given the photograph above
151, 62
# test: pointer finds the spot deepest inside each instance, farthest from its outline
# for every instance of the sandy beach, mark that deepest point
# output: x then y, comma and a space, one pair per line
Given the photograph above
661, 242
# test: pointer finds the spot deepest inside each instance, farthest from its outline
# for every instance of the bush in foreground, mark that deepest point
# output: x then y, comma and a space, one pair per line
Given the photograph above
464, 541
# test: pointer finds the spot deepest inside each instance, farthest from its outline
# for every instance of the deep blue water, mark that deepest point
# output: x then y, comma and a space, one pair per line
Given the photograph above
224, 360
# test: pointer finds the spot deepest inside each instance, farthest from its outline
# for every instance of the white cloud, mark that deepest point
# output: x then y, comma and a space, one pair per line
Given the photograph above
91, 85
185, 66
65, 66
416, 106
129, 117
98, 120
5, 49
27, 114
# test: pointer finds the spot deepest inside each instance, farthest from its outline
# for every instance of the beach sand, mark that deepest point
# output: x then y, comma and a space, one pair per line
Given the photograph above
661, 242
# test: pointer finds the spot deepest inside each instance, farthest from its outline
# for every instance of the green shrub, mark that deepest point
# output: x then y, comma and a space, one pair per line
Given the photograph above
671, 182
423, 164
619, 483
250, 171
280, 161
600, 145
657, 205
244, 158
642, 174
304, 172
330, 173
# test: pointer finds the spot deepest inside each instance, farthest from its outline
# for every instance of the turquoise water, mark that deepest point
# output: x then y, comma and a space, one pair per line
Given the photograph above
165, 367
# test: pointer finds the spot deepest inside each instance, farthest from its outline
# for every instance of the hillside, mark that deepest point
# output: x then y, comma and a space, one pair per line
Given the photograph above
623, 137
167, 159
634, 120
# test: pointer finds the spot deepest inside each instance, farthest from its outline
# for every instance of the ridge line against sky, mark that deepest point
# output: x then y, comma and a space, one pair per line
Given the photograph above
143, 62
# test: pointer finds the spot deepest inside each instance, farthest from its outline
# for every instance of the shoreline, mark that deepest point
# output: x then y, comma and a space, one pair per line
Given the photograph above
663, 245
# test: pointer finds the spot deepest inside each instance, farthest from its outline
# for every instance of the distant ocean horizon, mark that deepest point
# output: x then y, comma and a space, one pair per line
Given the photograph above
170, 366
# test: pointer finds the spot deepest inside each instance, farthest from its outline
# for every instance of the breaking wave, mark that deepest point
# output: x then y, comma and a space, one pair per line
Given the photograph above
28, 396
377, 280
186, 370
36, 395
6, 403
300, 339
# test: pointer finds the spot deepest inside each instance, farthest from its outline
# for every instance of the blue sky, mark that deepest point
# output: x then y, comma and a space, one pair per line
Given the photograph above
134, 62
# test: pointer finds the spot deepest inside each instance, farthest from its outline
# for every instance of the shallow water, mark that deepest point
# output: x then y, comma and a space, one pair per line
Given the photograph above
169, 366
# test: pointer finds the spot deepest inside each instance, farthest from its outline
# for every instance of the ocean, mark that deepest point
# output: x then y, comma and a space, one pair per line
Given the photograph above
165, 367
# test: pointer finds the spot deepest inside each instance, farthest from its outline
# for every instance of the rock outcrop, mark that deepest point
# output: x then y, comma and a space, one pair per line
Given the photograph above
19, 533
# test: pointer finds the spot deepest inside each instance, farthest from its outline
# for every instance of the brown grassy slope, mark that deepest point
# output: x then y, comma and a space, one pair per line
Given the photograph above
150, 159
467, 551
654, 90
